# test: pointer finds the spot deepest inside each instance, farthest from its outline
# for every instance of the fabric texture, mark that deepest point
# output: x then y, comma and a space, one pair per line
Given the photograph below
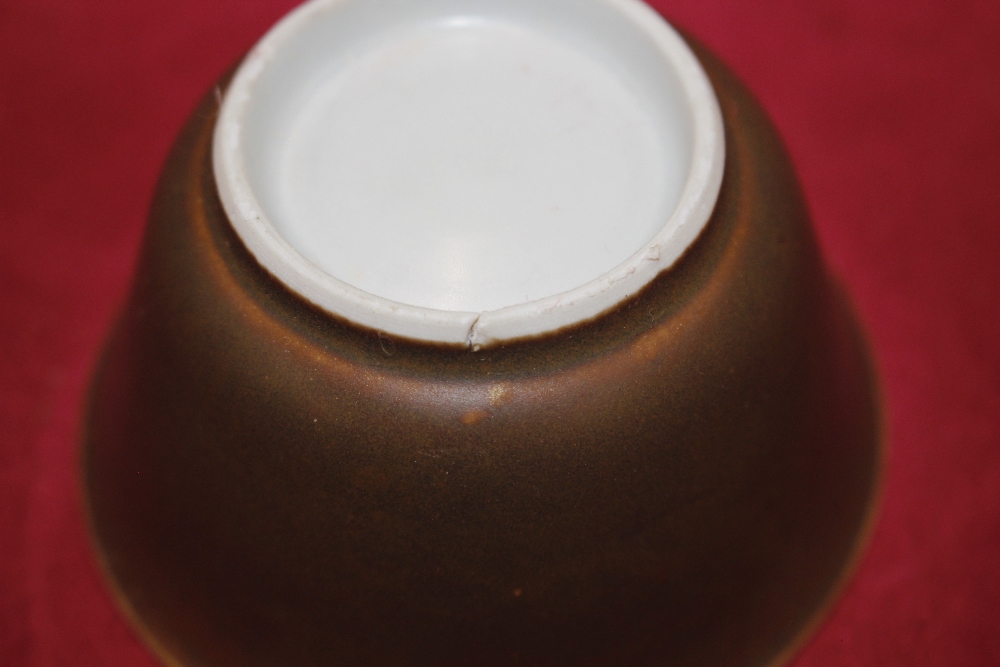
891, 112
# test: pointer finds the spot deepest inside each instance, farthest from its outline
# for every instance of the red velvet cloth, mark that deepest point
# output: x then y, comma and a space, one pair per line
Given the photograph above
891, 111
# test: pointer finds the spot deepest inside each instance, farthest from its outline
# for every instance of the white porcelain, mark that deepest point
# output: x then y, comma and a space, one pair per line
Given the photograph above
469, 172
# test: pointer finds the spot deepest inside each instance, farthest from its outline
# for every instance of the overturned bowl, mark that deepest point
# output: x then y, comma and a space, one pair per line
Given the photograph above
470, 332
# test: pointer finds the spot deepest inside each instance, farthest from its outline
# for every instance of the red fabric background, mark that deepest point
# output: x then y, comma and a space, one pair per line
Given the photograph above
891, 111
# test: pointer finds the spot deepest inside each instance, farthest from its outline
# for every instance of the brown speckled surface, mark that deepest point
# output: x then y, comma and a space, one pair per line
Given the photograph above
680, 482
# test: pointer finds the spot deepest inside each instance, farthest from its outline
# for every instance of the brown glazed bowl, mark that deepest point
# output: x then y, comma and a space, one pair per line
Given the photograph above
683, 481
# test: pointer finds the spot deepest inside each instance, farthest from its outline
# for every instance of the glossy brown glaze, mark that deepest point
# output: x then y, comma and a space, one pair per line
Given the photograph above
680, 482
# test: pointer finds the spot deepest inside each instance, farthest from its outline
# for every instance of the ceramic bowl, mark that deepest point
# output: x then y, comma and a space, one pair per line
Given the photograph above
287, 468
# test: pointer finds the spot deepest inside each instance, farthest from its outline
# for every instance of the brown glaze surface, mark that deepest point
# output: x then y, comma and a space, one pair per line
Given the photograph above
680, 482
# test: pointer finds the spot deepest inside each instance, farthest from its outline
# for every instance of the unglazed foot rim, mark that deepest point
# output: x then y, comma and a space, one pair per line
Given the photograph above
533, 318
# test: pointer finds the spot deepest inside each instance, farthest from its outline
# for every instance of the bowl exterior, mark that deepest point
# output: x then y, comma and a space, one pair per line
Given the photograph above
682, 481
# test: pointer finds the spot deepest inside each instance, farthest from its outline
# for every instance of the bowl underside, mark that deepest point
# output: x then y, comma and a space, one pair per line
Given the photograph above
682, 481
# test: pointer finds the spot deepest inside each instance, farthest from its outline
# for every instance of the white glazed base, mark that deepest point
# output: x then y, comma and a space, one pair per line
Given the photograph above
472, 165
469, 172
